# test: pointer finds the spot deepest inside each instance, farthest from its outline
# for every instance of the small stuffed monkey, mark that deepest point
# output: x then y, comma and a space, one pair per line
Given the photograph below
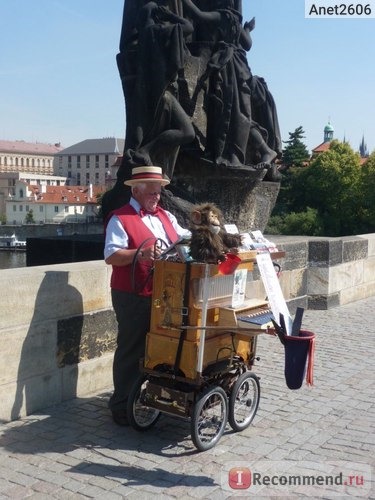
209, 240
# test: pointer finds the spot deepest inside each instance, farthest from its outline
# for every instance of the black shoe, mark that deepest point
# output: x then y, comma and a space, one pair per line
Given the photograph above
120, 417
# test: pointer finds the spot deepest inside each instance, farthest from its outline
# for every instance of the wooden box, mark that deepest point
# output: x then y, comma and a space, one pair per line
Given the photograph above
161, 350
175, 305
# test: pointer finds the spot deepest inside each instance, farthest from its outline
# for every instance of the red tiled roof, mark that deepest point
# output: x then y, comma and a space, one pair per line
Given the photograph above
322, 147
73, 195
325, 147
22, 147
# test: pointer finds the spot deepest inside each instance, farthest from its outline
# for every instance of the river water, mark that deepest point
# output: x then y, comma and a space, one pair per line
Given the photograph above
10, 259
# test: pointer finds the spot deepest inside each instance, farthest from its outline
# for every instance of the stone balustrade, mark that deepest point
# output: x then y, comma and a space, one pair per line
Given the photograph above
58, 330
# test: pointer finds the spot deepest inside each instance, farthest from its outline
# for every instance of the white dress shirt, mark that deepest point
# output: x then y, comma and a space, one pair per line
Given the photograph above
117, 238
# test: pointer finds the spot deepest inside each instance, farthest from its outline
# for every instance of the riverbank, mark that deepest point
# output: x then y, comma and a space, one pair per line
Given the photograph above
10, 260
25, 231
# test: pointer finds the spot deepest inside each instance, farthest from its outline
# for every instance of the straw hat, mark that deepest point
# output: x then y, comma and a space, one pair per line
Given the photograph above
147, 174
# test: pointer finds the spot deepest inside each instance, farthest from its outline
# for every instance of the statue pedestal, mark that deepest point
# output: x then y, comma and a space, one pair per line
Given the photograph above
240, 193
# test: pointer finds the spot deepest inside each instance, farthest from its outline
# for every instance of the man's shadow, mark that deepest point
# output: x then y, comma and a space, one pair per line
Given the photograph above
48, 364
81, 424
51, 344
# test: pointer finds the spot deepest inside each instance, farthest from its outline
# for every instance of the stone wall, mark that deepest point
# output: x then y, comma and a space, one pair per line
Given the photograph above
58, 330
330, 271
57, 333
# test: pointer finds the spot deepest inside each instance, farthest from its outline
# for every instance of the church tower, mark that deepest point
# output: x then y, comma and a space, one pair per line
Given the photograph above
328, 133
363, 151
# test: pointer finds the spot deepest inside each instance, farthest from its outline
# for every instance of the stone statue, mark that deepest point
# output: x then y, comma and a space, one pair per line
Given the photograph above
160, 123
192, 105
242, 125
265, 140
152, 53
228, 99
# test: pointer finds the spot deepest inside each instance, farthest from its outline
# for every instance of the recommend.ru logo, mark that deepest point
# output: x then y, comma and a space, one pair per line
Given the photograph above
286, 477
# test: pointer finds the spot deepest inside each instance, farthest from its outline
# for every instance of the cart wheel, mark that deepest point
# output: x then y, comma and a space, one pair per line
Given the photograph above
209, 418
140, 416
244, 401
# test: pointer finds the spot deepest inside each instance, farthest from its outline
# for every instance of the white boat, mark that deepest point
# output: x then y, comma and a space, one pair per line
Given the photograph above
12, 243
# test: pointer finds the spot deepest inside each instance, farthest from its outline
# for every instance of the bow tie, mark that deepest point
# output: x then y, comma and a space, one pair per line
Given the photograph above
143, 212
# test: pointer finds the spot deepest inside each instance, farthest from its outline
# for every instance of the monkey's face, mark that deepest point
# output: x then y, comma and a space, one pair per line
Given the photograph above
207, 216
213, 222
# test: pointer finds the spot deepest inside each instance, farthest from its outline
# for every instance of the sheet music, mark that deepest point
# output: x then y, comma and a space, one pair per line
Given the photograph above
273, 289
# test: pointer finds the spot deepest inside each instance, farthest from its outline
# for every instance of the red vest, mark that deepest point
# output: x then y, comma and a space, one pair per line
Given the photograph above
138, 281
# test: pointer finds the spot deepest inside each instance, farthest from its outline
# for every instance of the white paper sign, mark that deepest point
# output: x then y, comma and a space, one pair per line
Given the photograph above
273, 289
231, 228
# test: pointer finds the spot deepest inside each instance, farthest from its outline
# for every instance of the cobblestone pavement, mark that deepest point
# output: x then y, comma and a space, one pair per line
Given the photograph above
322, 434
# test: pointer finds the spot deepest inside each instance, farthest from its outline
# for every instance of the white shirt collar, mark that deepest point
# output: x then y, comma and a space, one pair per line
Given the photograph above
135, 204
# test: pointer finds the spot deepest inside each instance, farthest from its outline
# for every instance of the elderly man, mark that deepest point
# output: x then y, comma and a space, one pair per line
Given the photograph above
135, 235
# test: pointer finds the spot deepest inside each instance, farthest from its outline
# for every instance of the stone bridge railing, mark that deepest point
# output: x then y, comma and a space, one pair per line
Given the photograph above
58, 331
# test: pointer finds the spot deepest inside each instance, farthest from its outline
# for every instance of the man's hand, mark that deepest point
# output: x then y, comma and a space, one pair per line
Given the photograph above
149, 253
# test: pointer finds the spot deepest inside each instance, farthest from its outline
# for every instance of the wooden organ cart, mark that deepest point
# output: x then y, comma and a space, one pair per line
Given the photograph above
198, 359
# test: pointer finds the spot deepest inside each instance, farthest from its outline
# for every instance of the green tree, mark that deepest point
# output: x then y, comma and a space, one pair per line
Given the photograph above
332, 196
331, 184
295, 153
307, 223
29, 219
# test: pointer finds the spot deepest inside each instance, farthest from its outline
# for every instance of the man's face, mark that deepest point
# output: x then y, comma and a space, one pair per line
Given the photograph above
148, 197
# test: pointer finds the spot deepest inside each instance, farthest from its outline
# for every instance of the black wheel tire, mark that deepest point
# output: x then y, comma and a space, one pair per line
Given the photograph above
244, 401
209, 418
140, 416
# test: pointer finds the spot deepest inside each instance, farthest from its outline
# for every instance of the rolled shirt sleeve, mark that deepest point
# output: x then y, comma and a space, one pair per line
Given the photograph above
115, 238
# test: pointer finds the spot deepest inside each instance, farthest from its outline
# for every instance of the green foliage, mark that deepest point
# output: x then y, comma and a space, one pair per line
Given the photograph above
331, 184
29, 219
284, 203
306, 223
333, 196
295, 154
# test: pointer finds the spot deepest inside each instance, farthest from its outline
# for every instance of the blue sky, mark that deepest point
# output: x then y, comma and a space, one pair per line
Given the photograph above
59, 80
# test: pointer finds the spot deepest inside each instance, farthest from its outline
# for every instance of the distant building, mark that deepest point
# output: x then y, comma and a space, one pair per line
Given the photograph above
328, 133
363, 151
53, 204
8, 183
328, 137
21, 156
89, 161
